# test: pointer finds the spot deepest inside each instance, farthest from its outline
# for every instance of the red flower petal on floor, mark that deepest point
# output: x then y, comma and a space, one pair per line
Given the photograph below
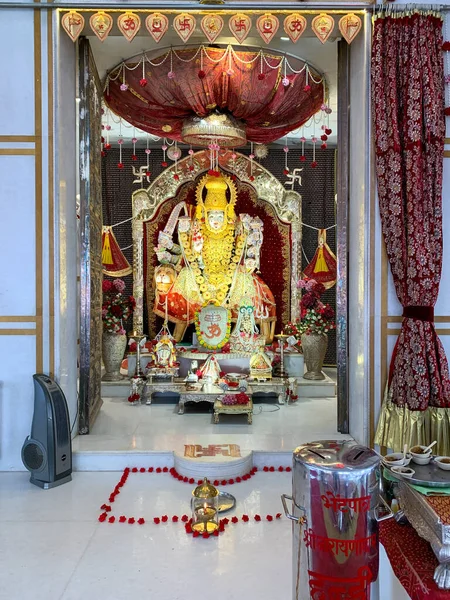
112, 497
281, 469
150, 469
180, 477
174, 519
266, 469
188, 528
221, 527
111, 519
269, 518
231, 481
131, 520
191, 480
238, 479
224, 482
122, 519
165, 469
103, 506
126, 470
156, 520
278, 516
184, 518
134, 470
199, 482
185, 479
141, 521
245, 518
164, 519
102, 517
158, 470
216, 482
288, 469
142, 470
205, 535
255, 470
216, 532
234, 519
195, 534
272, 469
257, 518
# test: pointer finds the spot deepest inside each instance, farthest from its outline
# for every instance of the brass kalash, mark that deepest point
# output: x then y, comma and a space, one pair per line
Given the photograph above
215, 261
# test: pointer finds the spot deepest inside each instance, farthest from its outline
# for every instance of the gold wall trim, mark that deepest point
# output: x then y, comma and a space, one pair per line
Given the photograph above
38, 187
446, 153
372, 300
384, 310
19, 319
51, 203
18, 331
17, 138
447, 141
17, 151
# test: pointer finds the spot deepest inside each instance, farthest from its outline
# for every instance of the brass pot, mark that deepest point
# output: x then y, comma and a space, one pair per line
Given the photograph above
113, 349
314, 348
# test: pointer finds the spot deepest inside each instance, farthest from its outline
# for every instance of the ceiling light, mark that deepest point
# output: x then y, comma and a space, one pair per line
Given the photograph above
284, 39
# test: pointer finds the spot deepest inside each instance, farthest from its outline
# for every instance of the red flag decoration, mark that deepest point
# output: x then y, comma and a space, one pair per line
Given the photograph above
129, 24
101, 24
323, 267
240, 26
267, 26
184, 25
157, 25
212, 25
294, 26
350, 26
73, 24
114, 262
323, 25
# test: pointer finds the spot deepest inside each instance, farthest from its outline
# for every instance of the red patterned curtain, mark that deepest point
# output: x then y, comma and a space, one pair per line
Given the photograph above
408, 114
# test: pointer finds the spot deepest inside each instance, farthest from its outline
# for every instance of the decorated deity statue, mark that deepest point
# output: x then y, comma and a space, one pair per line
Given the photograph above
246, 336
215, 260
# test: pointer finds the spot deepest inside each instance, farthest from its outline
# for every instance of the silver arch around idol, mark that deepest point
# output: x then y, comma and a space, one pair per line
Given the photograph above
145, 203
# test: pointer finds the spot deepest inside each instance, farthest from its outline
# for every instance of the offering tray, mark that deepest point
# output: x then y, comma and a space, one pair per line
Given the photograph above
226, 502
427, 475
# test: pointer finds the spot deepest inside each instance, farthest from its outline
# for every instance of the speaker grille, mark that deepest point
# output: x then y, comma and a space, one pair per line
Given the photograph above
33, 457
59, 404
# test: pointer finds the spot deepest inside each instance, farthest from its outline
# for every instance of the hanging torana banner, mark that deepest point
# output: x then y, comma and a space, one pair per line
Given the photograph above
240, 26
267, 26
101, 24
184, 25
113, 261
73, 24
129, 24
212, 25
294, 26
157, 24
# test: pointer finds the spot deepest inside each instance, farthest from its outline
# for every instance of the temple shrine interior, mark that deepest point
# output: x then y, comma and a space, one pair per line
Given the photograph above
219, 200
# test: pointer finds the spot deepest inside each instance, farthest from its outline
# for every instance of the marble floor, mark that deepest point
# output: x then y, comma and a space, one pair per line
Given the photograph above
52, 546
123, 427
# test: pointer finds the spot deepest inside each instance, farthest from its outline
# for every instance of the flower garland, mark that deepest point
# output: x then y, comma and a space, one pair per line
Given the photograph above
316, 317
106, 517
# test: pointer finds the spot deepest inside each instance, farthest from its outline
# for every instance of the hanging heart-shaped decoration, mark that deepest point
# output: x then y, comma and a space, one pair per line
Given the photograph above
73, 24
157, 25
322, 25
350, 26
240, 26
267, 26
184, 25
101, 24
129, 24
212, 25
294, 26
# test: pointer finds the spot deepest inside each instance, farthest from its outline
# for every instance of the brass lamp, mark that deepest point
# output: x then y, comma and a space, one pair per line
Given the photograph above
205, 508
220, 128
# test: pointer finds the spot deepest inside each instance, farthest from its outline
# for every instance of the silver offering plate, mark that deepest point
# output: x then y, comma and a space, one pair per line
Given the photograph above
429, 475
226, 502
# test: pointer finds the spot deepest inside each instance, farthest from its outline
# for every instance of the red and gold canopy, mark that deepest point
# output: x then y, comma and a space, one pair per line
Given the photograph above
268, 94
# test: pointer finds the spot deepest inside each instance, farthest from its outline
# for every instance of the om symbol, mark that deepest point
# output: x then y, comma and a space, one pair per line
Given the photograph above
214, 331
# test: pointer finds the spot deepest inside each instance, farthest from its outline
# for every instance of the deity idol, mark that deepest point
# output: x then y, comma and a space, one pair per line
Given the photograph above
215, 261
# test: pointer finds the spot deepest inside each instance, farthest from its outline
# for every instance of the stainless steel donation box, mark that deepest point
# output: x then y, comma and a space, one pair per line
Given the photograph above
335, 498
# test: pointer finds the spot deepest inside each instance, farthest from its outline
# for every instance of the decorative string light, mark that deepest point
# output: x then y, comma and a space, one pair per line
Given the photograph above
143, 81
134, 140
303, 140
191, 162
147, 152
120, 142
164, 149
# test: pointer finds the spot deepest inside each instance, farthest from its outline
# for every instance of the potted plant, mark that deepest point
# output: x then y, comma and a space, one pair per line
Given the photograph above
116, 309
317, 319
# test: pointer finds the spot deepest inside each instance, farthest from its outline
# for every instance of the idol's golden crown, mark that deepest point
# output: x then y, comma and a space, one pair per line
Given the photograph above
216, 198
